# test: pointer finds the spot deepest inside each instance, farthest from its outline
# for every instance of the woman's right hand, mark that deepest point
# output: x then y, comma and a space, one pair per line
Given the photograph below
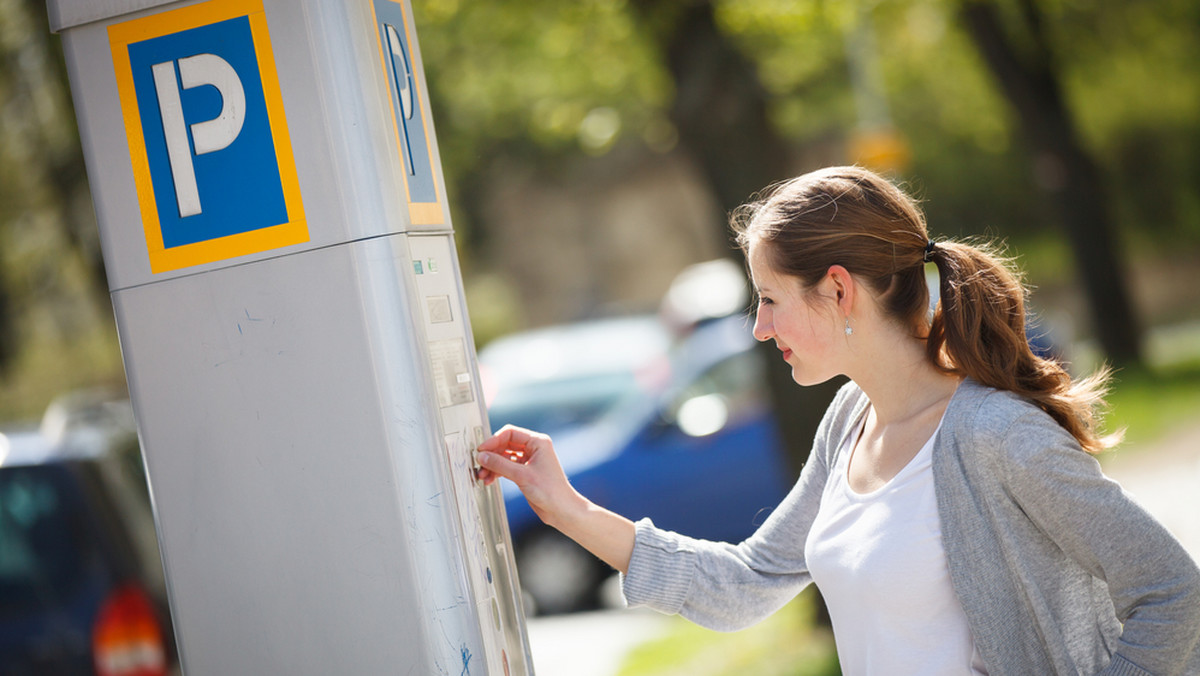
527, 459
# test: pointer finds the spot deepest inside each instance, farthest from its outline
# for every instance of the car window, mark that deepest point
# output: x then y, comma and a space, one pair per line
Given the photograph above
729, 391
564, 377
45, 546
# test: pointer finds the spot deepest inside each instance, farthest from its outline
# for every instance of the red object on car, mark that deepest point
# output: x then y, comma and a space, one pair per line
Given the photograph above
127, 639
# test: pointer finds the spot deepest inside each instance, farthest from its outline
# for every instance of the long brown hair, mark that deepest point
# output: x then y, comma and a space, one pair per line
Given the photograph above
852, 217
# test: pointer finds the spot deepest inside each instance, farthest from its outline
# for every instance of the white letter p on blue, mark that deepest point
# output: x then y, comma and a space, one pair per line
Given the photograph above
207, 136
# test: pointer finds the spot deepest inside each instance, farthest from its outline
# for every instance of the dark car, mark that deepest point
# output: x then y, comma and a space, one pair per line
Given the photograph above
689, 440
81, 582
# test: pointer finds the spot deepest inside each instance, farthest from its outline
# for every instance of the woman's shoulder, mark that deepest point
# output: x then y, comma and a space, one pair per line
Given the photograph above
849, 400
847, 395
986, 418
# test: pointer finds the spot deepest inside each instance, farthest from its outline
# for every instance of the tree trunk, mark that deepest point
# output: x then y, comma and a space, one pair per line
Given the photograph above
1063, 168
720, 112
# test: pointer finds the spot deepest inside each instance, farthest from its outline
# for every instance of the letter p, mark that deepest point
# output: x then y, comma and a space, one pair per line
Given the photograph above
207, 136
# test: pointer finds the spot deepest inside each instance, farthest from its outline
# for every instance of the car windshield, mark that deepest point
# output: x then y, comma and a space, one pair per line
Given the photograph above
563, 377
560, 404
44, 544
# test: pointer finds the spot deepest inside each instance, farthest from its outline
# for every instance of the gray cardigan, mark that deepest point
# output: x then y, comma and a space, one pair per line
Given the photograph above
1057, 569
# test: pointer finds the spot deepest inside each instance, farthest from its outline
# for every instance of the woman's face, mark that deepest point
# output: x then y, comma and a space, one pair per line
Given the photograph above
804, 325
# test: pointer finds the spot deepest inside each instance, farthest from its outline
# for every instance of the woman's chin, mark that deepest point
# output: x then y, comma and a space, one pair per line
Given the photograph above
806, 379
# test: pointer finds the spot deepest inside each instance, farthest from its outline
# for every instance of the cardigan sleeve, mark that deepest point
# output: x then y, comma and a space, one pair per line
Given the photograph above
1153, 583
724, 586
720, 585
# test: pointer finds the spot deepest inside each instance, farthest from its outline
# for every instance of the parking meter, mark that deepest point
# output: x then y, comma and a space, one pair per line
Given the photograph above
281, 261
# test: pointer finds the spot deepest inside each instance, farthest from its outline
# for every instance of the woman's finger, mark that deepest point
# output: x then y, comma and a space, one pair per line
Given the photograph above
509, 437
486, 476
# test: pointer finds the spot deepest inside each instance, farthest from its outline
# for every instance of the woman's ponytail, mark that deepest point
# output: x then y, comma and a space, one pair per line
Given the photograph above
978, 330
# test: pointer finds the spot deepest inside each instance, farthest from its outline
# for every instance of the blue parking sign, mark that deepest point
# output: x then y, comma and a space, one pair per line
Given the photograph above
208, 139
410, 120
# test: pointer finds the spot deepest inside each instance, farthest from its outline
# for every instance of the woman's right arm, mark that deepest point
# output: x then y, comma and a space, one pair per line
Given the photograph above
715, 584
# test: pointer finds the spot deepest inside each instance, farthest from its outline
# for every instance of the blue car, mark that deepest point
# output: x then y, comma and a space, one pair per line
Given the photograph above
81, 582
690, 441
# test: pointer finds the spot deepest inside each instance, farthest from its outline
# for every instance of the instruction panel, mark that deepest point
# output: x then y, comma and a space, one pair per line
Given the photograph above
479, 508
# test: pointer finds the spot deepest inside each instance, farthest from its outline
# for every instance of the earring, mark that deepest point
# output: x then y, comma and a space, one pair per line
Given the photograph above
849, 330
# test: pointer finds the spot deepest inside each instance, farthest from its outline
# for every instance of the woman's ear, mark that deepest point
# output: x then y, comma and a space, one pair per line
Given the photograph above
843, 286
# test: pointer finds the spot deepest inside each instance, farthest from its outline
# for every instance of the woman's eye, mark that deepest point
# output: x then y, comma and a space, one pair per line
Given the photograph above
765, 301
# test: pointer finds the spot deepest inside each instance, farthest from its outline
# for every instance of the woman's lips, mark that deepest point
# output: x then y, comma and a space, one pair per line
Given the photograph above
787, 354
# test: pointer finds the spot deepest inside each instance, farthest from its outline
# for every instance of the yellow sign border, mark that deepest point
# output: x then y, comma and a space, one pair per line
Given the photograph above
419, 213
295, 231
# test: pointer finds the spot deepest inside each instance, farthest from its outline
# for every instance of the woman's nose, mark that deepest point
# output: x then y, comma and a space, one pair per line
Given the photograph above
763, 329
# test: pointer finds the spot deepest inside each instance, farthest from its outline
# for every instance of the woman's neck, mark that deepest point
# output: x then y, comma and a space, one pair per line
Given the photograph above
899, 379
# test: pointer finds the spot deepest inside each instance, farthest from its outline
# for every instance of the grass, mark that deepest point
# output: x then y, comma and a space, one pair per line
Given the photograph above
786, 644
1153, 401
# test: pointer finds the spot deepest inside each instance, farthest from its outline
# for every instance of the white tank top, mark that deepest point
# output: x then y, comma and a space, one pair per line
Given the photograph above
879, 562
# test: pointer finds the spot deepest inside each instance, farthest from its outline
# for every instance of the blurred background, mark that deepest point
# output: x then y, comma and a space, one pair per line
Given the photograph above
592, 151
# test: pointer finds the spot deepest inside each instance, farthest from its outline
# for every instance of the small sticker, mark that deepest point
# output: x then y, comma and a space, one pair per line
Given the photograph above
432, 265
418, 267
451, 376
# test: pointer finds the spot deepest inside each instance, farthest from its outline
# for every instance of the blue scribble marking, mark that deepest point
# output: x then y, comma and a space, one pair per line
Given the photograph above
466, 659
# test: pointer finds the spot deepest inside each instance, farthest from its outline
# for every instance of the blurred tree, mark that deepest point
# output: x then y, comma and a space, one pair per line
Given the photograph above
542, 84
43, 192
630, 73
1130, 73
720, 109
1025, 68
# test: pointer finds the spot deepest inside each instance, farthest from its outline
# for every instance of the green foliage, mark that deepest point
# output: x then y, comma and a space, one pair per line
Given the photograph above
564, 77
798, 49
1136, 91
550, 80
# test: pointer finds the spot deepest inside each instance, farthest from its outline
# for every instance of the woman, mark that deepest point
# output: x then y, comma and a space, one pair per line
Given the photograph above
951, 512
